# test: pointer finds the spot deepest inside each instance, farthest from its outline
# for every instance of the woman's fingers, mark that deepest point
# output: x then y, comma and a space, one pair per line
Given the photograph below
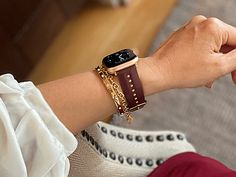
201, 51
233, 74
228, 62
226, 49
228, 35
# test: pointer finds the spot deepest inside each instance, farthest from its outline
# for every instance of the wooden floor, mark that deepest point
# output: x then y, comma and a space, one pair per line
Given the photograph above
98, 31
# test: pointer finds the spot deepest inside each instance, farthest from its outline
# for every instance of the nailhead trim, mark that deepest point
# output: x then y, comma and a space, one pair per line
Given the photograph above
133, 90
129, 160
129, 137
119, 158
139, 162
91, 140
104, 152
96, 145
149, 162
87, 136
160, 138
100, 150
113, 133
159, 162
120, 135
104, 130
83, 133
170, 137
112, 156
149, 138
180, 137
139, 138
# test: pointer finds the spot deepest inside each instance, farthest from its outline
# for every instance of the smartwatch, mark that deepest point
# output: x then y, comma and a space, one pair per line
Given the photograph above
123, 65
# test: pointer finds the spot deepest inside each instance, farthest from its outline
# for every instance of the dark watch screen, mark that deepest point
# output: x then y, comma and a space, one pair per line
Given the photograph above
118, 58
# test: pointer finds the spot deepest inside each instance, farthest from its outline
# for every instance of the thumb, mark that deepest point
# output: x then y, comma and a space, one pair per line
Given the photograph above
228, 62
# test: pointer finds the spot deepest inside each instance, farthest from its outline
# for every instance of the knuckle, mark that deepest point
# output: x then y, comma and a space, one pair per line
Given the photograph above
211, 26
198, 17
212, 22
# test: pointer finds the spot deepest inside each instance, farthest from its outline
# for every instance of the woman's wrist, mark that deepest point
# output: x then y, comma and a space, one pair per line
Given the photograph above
153, 75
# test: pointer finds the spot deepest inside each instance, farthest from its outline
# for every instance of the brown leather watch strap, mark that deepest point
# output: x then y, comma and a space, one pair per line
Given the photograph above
132, 88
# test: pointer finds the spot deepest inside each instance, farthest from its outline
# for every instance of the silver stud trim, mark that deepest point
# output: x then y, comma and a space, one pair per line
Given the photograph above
119, 158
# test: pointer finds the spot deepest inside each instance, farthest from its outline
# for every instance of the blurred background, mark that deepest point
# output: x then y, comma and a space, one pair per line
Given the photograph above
42, 40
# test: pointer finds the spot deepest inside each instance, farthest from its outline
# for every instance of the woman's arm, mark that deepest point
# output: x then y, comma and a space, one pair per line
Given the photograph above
82, 99
191, 57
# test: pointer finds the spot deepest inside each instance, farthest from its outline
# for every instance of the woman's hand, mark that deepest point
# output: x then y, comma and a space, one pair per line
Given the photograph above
196, 55
191, 57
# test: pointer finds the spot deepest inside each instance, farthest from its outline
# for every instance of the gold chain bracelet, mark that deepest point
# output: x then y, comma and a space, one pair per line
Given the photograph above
115, 92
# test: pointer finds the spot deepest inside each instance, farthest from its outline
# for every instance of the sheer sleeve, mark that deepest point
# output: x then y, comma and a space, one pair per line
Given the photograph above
33, 142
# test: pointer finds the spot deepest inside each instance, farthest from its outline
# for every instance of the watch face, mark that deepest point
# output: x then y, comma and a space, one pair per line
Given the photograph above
118, 58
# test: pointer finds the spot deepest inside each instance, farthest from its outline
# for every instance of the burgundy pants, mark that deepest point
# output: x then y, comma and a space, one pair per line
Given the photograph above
192, 165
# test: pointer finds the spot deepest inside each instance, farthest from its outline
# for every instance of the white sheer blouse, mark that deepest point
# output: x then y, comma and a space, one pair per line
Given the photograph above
33, 142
